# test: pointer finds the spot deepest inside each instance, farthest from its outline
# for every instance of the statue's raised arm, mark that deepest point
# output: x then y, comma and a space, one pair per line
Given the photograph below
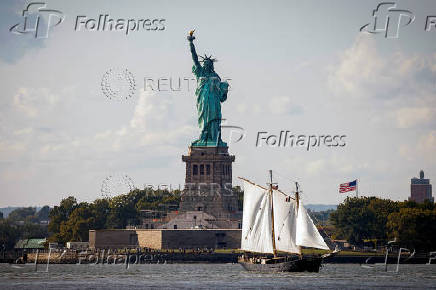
191, 38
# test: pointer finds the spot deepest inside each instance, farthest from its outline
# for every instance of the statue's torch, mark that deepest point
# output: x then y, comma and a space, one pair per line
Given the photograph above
191, 36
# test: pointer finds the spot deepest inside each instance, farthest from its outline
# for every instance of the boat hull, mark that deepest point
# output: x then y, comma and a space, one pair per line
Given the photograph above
311, 264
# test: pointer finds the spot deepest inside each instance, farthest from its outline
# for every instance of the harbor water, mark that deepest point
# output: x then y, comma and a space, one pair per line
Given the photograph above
212, 276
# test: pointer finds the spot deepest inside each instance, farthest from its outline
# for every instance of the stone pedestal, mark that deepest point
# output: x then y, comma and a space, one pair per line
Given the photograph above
208, 182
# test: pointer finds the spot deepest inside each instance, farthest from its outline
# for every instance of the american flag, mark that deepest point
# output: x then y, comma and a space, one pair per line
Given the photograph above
349, 186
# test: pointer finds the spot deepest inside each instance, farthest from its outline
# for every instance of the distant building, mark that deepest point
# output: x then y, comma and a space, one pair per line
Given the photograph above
53, 245
77, 245
30, 244
342, 244
420, 189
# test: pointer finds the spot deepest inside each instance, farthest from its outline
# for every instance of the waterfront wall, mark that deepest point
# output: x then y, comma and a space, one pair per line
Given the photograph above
111, 239
189, 239
165, 238
150, 239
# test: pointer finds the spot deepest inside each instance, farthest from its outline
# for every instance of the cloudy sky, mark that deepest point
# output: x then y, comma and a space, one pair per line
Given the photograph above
301, 66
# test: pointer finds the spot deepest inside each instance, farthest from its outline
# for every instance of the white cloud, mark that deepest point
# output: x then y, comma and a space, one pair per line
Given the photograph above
392, 89
411, 117
421, 149
8, 148
142, 108
427, 144
33, 101
276, 105
315, 167
282, 105
359, 68
24, 131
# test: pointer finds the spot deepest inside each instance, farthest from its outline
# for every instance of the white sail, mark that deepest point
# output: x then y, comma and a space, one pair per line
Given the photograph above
307, 233
256, 220
285, 223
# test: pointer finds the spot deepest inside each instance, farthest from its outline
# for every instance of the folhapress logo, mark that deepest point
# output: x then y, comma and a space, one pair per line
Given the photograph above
388, 20
38, 20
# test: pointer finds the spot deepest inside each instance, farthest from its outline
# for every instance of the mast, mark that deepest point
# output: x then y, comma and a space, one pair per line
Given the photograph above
272, 214
297, 196
297, 201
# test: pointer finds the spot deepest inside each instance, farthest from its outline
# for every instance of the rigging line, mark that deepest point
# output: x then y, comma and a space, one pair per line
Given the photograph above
286, 178
283, 224
285, 194
278, 190
322, 228
253, 183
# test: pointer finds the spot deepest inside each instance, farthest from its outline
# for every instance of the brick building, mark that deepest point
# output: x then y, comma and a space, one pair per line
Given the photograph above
420, 189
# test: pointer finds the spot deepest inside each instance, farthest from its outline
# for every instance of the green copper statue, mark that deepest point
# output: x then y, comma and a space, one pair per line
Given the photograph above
210, 92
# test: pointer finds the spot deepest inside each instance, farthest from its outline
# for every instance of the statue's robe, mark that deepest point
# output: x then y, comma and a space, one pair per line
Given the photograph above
210, 93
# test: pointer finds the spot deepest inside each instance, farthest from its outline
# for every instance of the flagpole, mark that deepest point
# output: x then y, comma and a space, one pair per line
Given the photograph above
357, 188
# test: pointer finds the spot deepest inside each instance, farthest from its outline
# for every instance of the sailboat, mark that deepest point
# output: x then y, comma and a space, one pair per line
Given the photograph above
273, 222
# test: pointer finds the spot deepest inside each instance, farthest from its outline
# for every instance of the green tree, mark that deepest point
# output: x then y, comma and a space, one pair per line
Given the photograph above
71, 221
122, 211
8, 234
79, 222
32, 230
414, 228
58, 218
22, 214
357, 219
240, 194
381, 209
100, 210
43, 213
321, 217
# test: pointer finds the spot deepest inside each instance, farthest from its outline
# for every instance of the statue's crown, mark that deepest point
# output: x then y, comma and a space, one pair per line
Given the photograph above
207, 58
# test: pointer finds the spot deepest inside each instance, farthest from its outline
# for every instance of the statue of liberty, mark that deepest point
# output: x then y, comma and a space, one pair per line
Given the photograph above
210, 92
